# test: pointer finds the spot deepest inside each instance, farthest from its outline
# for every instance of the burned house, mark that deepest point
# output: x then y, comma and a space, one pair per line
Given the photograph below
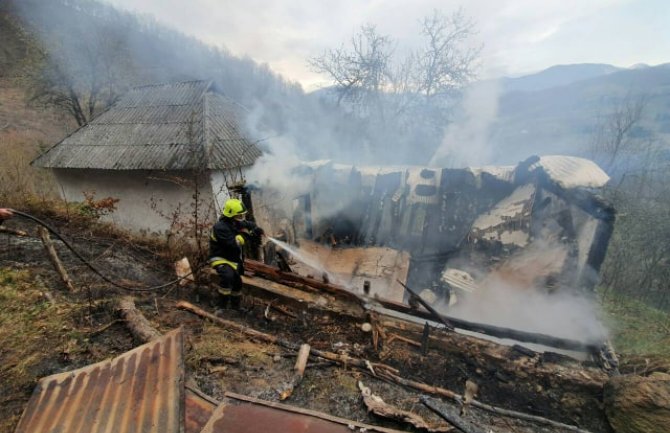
154, 149
539, 225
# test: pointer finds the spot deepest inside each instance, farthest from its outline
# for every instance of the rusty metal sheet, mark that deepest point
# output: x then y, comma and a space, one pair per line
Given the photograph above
140, 391
198, 410
249, 415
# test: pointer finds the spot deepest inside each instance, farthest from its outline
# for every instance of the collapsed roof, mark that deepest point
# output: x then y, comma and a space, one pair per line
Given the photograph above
540, 223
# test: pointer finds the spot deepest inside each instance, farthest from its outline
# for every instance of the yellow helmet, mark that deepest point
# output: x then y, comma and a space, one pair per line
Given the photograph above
233, 207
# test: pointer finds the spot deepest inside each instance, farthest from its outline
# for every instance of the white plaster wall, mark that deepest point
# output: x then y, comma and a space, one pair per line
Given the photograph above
218, 180
219, 189
137, 189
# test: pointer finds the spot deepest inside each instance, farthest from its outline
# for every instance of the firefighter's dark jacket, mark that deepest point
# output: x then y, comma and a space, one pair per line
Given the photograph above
222, 240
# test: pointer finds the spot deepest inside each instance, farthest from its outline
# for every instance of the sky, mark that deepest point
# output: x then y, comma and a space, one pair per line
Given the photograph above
517, 36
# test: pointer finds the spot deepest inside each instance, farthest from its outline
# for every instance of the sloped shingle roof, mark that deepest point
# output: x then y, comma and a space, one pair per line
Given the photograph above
168, 127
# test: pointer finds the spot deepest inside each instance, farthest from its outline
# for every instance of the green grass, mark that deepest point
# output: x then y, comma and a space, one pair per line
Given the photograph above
34, 334
637, 328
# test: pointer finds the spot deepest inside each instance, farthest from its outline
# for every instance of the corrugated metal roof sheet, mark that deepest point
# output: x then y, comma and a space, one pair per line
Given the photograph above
198, 410
139, 391
160, 127
249, 415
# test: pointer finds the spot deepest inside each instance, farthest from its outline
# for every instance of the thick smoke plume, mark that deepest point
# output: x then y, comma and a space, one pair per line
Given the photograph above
466, 141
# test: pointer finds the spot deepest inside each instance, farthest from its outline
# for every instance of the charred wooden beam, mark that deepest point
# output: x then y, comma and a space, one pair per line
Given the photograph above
435, 315
275, 274
452, 417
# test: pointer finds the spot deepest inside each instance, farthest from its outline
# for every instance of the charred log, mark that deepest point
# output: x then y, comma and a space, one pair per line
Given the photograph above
138, 325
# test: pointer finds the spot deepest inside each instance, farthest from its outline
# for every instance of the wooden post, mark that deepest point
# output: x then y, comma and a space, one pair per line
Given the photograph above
425, 339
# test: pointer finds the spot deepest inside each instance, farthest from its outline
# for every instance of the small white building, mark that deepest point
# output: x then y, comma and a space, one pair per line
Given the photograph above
152, 150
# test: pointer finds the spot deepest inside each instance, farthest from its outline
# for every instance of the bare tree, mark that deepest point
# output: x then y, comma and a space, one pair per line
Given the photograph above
403, 97
639, 252
445, 64
83, 75
362, 71
614, 137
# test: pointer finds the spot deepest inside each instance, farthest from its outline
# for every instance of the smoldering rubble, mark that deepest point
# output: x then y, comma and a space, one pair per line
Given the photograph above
484, 244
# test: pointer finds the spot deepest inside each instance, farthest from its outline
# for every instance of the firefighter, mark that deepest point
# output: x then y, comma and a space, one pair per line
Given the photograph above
228, 237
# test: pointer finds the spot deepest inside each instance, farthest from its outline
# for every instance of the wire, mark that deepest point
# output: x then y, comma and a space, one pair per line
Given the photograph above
90, 266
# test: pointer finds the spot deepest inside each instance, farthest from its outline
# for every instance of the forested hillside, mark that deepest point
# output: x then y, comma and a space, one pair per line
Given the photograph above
564, 118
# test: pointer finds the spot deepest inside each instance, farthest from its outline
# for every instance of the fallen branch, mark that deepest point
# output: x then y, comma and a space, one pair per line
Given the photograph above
301, 362
379, 407
321, 364
55, 260
284, 311
103, 328
382, 371
299, 372
404, 339
9, 231
138, 325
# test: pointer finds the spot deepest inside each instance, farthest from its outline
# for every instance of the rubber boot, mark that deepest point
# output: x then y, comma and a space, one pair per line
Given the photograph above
224, 301
235, 302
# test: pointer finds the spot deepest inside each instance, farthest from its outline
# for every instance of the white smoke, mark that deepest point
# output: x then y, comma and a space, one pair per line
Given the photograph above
514, 295
561, 314
466, 140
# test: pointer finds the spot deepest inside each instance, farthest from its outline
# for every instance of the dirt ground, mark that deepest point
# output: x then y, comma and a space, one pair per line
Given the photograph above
46, 330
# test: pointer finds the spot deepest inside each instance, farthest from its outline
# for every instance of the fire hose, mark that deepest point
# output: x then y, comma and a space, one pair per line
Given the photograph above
93, 268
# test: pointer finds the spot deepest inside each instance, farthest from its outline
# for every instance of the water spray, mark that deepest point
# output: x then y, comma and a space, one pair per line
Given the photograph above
307, 259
